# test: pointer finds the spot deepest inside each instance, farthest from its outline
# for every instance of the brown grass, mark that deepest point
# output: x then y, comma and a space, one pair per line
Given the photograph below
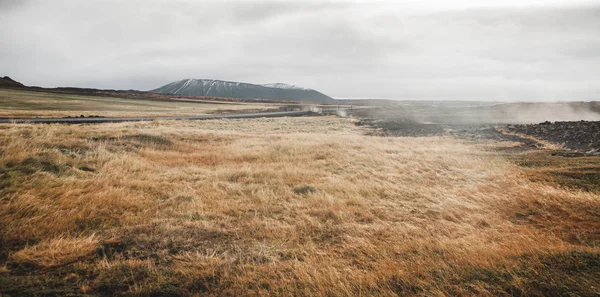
286, 206
56, 252
568, 169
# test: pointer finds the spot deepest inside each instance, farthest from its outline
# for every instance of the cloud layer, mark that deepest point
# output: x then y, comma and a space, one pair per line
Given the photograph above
464, 50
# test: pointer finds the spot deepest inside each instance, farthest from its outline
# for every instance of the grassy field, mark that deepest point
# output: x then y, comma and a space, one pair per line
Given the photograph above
18, 103
284, 207
579, 173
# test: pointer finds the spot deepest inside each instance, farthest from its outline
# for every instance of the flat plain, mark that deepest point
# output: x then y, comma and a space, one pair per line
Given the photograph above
311, 206
23, 103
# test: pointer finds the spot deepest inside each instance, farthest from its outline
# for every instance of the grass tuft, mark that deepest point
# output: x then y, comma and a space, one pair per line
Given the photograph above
56, 252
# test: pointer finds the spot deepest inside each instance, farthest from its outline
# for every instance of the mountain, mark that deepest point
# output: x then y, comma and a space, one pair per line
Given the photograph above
9, 82
228, 89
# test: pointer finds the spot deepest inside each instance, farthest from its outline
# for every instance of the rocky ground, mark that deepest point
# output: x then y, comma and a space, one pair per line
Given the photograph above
401, 127
581, 136
406, 127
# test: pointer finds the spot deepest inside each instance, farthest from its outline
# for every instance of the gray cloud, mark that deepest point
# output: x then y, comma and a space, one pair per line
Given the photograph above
7, 5
515, 50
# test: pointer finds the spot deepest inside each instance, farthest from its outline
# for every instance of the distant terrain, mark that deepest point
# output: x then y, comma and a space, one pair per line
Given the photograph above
227, 89
8, 83
24, 103
477, 112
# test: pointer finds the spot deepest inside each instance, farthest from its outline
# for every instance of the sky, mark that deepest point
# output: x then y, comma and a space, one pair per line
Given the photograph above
525, 50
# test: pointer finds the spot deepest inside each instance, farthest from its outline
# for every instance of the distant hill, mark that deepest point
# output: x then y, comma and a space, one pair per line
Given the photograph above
9, 82
227, 89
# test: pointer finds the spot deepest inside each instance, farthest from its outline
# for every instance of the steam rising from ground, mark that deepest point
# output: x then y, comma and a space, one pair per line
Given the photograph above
342, 113
536, 113
502, 113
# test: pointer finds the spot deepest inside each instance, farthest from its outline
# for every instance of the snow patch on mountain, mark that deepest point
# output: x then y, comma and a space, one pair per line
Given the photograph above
284, 86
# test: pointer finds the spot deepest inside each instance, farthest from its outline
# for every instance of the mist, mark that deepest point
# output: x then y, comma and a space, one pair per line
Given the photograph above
476, 113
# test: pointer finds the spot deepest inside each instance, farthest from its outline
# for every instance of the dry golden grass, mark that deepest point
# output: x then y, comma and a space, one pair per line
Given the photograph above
56, 252
285, 206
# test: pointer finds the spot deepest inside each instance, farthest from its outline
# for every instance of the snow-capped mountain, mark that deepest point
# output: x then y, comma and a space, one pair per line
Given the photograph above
228, 89
284, 86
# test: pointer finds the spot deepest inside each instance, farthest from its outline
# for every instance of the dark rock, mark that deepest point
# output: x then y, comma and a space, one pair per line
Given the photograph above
581, 136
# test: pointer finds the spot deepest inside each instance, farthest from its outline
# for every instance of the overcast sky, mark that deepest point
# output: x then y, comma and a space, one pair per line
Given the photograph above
516, 50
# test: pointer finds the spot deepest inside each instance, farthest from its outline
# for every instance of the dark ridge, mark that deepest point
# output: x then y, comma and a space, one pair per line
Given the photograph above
9, 82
